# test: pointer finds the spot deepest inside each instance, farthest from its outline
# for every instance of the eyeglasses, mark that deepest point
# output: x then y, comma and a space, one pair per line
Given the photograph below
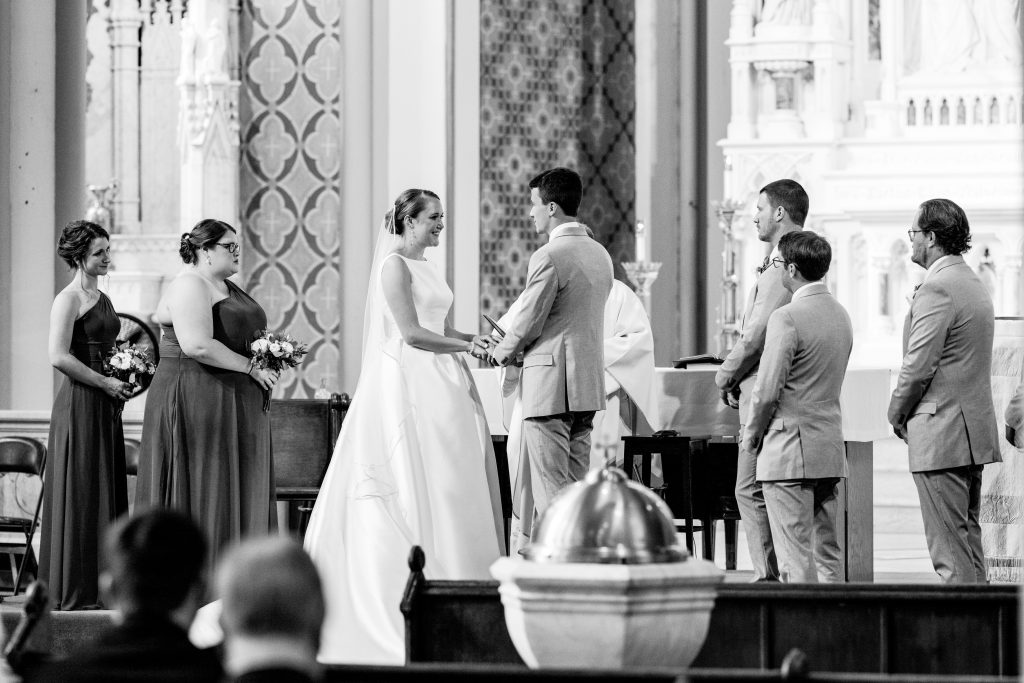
910, 234
778, 262
232, 247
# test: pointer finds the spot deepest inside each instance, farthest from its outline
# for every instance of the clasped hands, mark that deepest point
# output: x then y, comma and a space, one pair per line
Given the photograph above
483, 349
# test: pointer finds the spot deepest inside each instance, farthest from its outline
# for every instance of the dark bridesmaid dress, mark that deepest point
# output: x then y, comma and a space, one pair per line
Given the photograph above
205, 436
86, 486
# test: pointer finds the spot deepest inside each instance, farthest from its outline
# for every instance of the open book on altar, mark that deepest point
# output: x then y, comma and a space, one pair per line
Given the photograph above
697, 361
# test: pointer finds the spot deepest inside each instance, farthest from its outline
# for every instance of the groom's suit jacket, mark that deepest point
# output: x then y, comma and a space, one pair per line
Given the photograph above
795, 401
560, 325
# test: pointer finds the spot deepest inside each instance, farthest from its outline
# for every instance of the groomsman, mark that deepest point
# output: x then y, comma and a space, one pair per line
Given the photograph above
560, 330
942, 405
781, 209
795, 426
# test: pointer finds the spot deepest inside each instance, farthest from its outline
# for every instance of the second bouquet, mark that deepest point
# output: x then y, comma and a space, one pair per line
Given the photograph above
276, 351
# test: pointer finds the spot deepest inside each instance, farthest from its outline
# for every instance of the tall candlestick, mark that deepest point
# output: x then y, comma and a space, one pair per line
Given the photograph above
642, 254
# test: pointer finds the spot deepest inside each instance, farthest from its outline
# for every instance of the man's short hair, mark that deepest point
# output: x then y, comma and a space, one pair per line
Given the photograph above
808, 251
154, 559
791, 196
948, 222
270, 586
561, 186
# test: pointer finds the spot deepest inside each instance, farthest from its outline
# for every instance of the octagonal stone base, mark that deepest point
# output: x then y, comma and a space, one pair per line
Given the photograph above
607, 616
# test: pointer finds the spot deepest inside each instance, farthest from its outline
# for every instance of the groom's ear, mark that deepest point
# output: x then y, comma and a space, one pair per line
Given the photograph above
552, 207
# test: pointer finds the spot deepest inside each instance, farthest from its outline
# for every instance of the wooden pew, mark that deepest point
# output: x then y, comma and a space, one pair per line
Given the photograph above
304, 432
863, 628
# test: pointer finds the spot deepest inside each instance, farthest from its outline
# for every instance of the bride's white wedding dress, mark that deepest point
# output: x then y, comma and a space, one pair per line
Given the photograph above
413, 466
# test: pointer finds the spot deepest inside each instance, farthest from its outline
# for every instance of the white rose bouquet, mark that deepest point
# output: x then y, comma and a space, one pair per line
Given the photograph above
276, 351
130, 364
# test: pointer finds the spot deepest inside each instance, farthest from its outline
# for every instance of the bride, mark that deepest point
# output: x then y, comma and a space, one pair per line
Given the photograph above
413, 464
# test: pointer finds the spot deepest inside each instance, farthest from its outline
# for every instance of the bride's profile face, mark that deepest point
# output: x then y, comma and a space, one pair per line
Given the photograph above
425, 228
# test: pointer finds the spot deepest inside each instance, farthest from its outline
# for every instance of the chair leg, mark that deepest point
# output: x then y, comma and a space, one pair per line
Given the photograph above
708, 538
730, 544
28, 543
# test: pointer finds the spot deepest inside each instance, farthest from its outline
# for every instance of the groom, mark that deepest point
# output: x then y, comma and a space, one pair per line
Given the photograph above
560, 330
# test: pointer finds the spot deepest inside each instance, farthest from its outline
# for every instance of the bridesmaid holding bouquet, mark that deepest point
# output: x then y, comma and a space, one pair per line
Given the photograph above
86, 485
205, 436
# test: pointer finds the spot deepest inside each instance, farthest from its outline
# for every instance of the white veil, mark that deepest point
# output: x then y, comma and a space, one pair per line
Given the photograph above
374, 316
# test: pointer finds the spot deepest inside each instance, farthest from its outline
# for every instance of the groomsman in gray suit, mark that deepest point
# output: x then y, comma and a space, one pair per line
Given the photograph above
942, 405
795, 425
560, 330
781, 208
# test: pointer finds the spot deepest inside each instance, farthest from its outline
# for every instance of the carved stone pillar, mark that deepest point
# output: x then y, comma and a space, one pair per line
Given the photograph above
208, 128
125, 24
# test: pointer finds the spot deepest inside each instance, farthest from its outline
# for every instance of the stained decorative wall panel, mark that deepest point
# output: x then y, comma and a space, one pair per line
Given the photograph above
556, 89
291, 141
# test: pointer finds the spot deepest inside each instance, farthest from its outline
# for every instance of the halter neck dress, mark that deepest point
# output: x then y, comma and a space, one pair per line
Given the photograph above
206, 447
86, 487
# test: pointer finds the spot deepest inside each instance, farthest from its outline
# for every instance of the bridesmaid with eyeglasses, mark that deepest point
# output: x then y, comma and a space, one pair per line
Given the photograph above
205, 435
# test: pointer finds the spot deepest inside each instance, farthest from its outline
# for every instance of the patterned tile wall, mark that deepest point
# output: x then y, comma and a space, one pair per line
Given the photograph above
556, 89
608, 152
290, 113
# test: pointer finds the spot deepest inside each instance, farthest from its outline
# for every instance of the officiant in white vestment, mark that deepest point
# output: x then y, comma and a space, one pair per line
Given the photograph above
630, 393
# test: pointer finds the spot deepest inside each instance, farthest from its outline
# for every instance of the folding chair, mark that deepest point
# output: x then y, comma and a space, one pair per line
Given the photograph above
24, 455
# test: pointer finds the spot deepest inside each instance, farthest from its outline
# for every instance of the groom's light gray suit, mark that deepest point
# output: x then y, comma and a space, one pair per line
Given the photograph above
560, 330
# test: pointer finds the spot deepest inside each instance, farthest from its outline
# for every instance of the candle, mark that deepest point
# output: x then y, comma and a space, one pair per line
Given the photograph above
727, 180
641, 242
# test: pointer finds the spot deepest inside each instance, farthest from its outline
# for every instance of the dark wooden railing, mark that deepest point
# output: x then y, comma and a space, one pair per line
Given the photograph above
849, 628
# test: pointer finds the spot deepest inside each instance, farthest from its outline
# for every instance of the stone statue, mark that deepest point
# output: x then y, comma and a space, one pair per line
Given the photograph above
786, 12
99, 210
187, 70
998, 31
215, 50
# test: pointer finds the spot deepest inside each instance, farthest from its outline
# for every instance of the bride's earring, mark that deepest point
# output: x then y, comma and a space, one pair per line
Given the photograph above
209, 261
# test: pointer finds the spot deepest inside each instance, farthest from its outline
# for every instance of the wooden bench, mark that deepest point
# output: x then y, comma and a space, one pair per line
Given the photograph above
863, 628
304, 432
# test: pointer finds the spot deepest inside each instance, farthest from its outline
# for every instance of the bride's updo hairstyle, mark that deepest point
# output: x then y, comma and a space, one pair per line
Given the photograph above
408, 204
206, 231
75, 238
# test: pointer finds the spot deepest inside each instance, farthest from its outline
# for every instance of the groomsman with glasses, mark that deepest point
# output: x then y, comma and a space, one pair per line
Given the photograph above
781, 209
942, 405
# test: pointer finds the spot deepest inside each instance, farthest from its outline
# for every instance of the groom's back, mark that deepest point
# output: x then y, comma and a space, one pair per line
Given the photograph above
563, 369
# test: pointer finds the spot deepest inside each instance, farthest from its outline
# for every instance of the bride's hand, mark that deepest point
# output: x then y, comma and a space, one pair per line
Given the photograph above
479, 347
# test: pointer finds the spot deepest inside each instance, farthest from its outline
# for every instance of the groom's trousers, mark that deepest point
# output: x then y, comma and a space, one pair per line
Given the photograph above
559, 450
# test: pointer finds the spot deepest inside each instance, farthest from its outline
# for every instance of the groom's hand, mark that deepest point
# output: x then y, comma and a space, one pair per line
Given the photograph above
502, 358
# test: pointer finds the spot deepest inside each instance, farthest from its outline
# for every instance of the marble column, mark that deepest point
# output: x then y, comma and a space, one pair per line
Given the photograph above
125, 24
29, 63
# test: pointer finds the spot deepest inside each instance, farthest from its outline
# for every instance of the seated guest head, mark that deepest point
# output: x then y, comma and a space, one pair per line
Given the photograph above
781, 207
555, 195
940, 228
806, 257
272, 606
154, 565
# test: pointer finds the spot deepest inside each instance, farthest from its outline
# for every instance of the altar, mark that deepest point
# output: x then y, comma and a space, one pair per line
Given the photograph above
689, 403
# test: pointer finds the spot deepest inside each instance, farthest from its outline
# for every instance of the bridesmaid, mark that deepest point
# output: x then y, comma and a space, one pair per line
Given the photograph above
86, 485
205, 436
